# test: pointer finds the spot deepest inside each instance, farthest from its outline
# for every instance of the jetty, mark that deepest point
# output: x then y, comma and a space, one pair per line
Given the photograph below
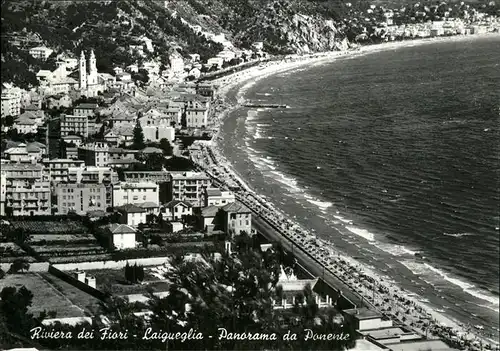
266, 105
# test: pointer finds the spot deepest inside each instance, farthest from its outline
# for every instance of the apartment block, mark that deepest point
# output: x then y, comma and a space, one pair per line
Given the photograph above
188, 186
135, 193
28, 199
58, 169
11, 104
74, 125
80, 198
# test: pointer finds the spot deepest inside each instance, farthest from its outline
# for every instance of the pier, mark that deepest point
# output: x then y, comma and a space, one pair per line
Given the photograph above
266, 105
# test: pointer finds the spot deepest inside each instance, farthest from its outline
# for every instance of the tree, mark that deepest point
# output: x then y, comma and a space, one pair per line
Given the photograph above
166, 147
19, 264
2, 273
138, 136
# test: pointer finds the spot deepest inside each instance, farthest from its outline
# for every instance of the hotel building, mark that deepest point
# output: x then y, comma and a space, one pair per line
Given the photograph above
80, 198
188, 186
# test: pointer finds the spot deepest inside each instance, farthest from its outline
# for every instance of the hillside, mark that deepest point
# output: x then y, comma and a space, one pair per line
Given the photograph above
284, 26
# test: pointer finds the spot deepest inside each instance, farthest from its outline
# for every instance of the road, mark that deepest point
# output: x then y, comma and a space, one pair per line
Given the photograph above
308, 262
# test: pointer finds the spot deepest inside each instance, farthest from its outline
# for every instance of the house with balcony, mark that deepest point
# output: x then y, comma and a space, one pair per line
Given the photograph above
237, 218
176, 210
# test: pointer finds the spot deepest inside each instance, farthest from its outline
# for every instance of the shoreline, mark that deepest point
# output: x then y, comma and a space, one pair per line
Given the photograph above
246, 78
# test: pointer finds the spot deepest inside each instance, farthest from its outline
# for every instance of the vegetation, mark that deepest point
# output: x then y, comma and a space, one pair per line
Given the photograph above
235, 291
134, 274
138, 137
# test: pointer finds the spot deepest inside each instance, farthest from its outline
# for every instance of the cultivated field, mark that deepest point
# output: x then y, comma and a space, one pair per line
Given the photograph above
46, 296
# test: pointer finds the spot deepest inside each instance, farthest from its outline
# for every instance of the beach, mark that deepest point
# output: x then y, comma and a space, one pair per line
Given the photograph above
355, 274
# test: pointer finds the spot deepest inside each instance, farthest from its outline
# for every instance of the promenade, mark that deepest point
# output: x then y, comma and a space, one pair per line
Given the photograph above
356, 283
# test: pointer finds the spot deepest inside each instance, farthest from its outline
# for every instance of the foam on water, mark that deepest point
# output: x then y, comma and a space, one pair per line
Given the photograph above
395, 250
320, 204
290, 182
458, 235
343, 220
426, 270
361, 232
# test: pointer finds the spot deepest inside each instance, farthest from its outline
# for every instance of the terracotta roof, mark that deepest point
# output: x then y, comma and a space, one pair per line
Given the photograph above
87, 106
131, 208
115, 228
174, 203
236, 207
209, 211
213, 192
147, 204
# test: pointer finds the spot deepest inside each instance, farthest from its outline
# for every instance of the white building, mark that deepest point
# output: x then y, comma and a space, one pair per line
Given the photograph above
217, 197
196, 117
122, 236
176, 63
89, 83
215, 61
132, 215
41, 52
11, 104
58, 169
26, 153
135, 193
175, 210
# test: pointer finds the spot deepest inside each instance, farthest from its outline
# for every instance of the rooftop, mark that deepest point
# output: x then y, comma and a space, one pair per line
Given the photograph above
115, 228
236, 207
174, 203
131, 208
209, 211
87, 106
363, 313
214, 192
435, 345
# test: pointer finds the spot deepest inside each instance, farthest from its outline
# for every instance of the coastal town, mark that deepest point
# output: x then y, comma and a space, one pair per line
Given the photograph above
114, 185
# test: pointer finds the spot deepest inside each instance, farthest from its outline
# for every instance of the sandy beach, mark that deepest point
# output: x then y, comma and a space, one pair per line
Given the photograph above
384, 293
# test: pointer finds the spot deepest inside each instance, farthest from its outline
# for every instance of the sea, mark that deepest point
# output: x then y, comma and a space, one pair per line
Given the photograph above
394, 157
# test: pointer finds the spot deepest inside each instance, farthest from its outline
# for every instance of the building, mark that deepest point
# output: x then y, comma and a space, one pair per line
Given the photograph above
207, 218
196, 117
41, 52
72, 139
26, 153
94, 154
176, 210
95, 175
26, 126
365, 319
28, 198
215, 61
122, 236
74, 125
3, 192
156, 133
147, 176
80, 198
324, 295
90, 84
58, 169
217, 197
134, 193
59, 101
132, 215
11, 104
176, 63
85, 110
188, 186
237, 218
